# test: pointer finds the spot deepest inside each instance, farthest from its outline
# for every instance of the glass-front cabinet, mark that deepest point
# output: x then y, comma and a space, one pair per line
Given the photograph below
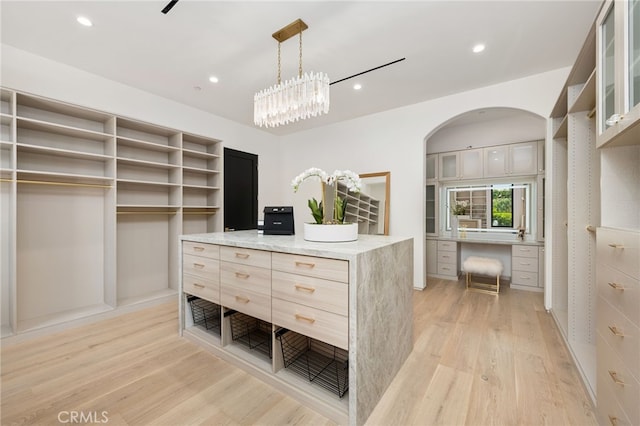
618, 69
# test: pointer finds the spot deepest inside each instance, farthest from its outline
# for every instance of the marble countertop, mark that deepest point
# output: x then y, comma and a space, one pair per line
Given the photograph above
296, 244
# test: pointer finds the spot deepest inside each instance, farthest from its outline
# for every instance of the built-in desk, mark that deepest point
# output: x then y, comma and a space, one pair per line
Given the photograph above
523, 260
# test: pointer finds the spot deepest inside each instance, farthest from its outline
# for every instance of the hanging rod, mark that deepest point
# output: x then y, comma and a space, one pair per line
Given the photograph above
591, 113
45, 182
148, 212
199, 213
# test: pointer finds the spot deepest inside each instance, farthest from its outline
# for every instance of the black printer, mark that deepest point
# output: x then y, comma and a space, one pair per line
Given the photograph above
278, 221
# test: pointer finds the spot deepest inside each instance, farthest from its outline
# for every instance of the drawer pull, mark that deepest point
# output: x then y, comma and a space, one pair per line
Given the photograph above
303, 318
198, 265
306, 264
304, 288
616, 286
613, 420
242, 299
616, 246
198, 285
445, 257
198, 248
525, 250
242, 255
614, 377
525, 264
615, 331
242, 275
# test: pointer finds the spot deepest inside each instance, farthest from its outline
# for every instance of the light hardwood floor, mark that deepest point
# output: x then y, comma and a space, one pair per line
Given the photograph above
477, 360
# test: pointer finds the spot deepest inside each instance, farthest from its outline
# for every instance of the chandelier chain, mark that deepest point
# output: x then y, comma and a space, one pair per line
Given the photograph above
279, 80
300, 62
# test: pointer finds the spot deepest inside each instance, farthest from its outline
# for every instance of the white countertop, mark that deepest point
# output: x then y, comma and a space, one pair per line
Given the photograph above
295, 244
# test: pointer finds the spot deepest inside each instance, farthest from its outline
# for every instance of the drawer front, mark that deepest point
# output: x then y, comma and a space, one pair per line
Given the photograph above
321, 325
326, 295
450, 257
243, 256
524, 251
257, 305
621, 335
610, 413
619, 249
245, 277
526, 264
622, 291
211, 251
319, 267
448, 269
529, 279
202, 267
447, 246
203, 288
613, 373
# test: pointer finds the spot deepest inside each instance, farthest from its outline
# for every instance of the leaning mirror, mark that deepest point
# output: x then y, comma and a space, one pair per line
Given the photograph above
369, 208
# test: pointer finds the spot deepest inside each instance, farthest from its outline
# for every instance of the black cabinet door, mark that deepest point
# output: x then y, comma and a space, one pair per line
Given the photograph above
240, 190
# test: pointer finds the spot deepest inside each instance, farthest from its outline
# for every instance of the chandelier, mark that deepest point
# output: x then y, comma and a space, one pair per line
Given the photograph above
298, 98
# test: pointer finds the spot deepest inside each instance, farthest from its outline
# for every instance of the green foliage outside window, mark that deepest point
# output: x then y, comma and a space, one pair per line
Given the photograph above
502, 207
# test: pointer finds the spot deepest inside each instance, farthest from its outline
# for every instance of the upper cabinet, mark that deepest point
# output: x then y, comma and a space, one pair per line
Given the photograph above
456, 165
618, 73
432, 167
511, 160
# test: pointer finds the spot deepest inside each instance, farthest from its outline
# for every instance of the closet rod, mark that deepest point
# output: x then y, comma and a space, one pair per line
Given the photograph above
199, 213
44, 182
591, 113
148, 212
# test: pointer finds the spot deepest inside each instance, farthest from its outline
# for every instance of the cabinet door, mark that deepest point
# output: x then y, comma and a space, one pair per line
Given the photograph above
471, 164
495, 161
432, 167
432, 257
431, 209
449, 166
523, 159
607, 105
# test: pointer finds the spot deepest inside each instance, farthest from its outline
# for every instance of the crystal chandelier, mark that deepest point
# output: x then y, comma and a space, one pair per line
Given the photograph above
304, 96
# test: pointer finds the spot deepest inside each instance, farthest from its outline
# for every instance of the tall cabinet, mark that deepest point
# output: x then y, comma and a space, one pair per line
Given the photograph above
92, 207
618, 251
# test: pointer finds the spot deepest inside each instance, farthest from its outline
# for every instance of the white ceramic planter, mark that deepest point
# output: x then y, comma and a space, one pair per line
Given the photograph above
331, 233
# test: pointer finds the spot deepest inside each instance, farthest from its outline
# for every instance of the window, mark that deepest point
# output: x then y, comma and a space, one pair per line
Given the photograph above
502, 206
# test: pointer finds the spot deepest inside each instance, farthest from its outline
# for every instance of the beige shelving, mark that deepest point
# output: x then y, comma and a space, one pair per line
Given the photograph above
361, 209
92, 208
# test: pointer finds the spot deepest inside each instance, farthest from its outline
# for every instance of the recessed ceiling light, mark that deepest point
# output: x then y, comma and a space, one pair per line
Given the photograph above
213, 79
357, 86
83, 20
478, 48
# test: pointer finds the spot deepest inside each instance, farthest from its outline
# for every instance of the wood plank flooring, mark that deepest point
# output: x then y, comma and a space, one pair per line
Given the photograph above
477, 360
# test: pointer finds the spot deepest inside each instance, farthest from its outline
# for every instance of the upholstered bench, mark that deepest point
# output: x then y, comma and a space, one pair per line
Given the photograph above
482, 266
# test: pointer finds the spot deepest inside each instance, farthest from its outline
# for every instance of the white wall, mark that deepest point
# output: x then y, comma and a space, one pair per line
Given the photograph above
34, 74
395, 141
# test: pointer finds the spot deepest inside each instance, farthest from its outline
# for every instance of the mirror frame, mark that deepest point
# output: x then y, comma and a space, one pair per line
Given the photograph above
387, 194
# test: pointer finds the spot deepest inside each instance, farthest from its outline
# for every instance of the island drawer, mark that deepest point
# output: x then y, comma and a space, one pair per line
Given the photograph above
246, 256
246, 301
327, 295
201, 249
203, 267
204, 288
244, 277
319, 267
321, 325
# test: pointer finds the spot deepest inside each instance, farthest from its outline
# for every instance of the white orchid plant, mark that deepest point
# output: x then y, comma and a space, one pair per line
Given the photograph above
351, 180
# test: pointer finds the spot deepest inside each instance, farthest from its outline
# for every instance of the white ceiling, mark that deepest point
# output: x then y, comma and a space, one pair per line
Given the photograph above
170, 55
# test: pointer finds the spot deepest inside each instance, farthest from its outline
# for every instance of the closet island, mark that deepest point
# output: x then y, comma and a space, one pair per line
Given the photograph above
329, 324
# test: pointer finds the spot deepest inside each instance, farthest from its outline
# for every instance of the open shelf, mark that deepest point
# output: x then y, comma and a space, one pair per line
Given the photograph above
251, 333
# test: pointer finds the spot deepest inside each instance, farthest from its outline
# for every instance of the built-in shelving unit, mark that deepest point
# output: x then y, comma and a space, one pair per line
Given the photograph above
573, 181
362, 209
97, 202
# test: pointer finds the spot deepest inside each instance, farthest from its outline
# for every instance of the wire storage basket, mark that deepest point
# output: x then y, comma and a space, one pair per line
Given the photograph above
323, 364
205, 314
251, 332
